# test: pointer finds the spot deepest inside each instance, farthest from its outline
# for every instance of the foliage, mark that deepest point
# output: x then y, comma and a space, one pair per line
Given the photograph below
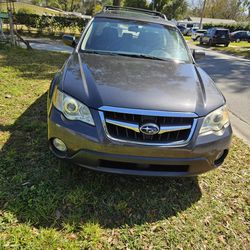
225, 9
173, 9
24, 11
29, 8
136, 3
231, 27
50, 23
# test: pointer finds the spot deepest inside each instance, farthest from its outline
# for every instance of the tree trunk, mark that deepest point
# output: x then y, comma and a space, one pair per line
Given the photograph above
117, 2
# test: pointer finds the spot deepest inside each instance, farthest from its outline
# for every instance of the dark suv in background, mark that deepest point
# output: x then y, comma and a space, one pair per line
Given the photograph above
240, 35
216, 36
131, 99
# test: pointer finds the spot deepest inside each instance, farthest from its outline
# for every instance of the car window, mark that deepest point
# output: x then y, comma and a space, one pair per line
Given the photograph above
222, 32
133, 37
201, 31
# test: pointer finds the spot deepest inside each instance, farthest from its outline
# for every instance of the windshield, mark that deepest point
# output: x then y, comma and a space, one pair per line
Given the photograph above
125, 37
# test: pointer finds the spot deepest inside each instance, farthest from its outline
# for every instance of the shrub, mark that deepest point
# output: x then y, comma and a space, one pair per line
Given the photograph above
50, 23
231, 27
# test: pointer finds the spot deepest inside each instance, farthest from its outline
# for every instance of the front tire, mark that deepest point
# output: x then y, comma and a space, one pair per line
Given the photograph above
226, 44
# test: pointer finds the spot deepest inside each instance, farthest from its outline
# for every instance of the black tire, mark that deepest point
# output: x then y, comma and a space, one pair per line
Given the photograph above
201, 42
210, 43
226, 44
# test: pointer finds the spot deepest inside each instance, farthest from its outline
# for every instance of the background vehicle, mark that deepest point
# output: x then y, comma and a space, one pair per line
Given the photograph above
188, 26
191, 31
215, 36
181, 28
240, 35
196, 34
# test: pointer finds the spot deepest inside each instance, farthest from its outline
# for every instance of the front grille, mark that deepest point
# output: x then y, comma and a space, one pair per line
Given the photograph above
126, 133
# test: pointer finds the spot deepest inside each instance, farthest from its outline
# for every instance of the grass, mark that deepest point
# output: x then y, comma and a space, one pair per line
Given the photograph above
48, 204
30, 8
187, 38
241, 49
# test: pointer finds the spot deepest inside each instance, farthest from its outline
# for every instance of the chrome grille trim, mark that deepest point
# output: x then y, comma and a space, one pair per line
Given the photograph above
135, 126
128, 125
164, 129
147, 112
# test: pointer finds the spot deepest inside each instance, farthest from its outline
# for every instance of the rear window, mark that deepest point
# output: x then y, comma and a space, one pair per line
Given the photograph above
222, 32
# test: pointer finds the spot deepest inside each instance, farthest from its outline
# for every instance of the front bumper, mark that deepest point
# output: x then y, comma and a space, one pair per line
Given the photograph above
89, 146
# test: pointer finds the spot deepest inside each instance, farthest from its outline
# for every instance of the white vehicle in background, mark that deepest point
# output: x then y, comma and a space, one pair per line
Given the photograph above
191, 31
188, 27
196, 34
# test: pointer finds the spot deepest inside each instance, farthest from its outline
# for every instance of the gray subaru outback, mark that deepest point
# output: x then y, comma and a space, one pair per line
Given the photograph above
131, 99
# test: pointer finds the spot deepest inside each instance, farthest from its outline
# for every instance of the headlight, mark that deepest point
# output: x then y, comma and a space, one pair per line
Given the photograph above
71, 108
215, 121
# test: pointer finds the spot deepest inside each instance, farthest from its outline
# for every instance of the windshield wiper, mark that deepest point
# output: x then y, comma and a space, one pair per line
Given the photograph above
144, 56
99, 52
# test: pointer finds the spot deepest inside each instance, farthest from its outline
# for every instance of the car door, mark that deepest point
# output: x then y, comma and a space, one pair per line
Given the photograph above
244, 36
205, 38
248, 36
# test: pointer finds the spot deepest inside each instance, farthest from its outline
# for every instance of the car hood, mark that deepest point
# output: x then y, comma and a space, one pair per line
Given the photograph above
121, 81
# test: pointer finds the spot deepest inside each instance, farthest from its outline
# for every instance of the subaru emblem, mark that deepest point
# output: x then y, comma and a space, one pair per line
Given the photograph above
150, 129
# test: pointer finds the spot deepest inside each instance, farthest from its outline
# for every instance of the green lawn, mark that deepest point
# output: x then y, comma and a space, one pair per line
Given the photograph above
34, 9
240, 49
188, 38
46, 204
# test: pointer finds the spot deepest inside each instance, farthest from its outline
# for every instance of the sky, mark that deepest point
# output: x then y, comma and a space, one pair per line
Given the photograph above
192, 2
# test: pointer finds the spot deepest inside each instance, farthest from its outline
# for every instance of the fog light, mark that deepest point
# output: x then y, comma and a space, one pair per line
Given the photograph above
219, 155
59, 145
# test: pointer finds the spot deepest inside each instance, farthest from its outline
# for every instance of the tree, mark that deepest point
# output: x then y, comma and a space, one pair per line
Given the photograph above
225, 9
117, 2
136, 4
173, 9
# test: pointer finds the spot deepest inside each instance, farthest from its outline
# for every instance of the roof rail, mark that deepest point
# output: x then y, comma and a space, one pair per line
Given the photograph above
149, 12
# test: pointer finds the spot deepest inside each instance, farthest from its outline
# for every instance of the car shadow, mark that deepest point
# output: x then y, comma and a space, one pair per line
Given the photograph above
230, 74
46, 192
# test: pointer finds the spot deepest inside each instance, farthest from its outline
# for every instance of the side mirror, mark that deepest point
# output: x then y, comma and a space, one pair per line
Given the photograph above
198, 54
69, 40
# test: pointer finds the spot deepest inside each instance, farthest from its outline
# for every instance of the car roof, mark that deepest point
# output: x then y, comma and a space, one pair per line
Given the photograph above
239, 31
220, 28
135, 16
